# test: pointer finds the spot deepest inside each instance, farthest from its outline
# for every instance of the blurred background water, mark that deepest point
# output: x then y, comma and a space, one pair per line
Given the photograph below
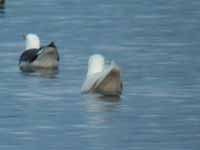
156, 43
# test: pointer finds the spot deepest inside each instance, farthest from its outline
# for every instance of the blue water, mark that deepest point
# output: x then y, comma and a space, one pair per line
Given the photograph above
156, 43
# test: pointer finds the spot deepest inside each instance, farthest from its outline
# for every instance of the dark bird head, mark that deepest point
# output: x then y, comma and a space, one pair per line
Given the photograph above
52, 44
2, 2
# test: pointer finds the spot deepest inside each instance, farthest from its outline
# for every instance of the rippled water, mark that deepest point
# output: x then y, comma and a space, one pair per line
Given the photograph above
155, 42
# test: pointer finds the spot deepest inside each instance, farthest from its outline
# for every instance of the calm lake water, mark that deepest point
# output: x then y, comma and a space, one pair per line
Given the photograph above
157, 45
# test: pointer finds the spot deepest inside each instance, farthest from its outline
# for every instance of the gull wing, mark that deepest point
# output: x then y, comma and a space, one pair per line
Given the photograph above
29, 55
107, 82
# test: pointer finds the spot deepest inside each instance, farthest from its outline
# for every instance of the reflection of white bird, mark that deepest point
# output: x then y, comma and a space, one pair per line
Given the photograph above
38, 57
102, 78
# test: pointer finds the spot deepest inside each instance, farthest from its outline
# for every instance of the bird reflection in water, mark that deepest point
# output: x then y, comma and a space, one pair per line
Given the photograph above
44, 73
99, 119
99, 103
2, 9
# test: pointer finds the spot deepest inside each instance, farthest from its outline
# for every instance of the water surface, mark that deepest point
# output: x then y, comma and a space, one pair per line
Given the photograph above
156, 43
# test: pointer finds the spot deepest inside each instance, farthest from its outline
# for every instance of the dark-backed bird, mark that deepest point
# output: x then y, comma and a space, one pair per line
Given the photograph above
34, 56
103, 78
2, 2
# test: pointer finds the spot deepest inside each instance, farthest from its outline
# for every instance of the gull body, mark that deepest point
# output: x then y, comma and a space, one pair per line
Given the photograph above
35, 56
102, 78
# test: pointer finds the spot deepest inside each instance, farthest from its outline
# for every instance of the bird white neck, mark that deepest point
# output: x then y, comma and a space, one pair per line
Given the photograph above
95, 65
32, 41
